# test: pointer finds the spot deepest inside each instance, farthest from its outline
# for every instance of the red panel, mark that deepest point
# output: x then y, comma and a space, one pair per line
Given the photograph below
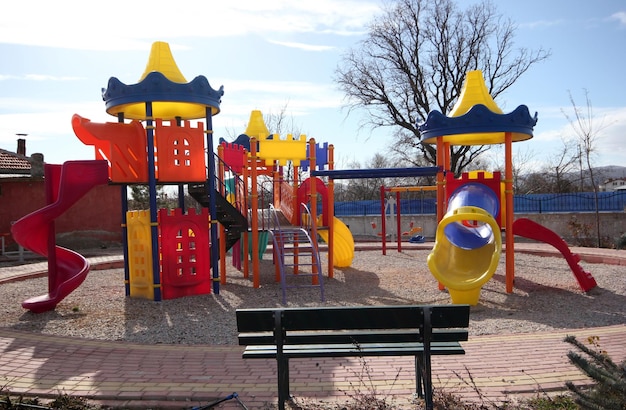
234, 156
185, 260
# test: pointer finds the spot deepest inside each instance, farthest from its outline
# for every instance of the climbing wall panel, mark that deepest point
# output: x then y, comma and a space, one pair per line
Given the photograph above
140, 254
185, 260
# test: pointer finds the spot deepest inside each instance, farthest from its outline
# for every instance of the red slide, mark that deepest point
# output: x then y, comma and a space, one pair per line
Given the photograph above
532, 230
65, 185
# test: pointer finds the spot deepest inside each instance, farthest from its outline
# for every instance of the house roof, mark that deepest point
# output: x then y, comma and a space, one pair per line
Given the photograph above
12, 163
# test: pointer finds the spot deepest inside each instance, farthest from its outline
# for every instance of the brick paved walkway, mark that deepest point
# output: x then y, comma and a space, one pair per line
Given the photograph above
499, 366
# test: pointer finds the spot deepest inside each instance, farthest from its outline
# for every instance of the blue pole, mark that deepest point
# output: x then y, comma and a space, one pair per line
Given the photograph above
212, 204
124, 195
154, 228
181, 187
124, 199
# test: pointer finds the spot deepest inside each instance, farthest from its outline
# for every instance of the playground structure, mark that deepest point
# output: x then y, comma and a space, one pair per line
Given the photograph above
473, 210
392, 204
177, 253
256, 153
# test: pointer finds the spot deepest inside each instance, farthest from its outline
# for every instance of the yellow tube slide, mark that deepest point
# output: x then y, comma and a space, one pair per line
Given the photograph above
343, 243
464, 271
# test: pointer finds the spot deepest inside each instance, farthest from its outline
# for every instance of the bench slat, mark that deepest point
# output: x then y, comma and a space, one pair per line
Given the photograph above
353, 336
449, 316
341, 350
255, 320
353, 317
346, 318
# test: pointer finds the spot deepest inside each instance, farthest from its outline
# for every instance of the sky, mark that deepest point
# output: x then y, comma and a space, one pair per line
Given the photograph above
275, 55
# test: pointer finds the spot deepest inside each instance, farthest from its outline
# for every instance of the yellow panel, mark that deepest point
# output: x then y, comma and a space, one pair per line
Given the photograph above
140, 254
290, 149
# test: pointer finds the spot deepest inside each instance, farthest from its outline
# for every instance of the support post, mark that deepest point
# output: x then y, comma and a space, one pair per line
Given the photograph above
508, 195
214, 248
330, 212
254, 205
154, 225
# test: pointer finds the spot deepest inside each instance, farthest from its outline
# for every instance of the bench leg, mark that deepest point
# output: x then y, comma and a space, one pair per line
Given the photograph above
424, 385
419, 383
283, 382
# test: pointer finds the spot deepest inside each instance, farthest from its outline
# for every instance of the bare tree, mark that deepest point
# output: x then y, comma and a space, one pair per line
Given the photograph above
533, 183
367, 188
282, 123
584, 124
560, 165
522, 163
140, 198
414, 60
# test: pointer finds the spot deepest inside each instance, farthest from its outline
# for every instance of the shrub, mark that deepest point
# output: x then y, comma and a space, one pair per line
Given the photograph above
609, 389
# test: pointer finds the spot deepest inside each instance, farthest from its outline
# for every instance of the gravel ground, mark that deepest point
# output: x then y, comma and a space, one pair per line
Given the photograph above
546, 296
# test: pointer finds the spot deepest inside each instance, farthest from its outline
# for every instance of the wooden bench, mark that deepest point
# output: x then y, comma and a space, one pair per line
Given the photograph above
419, 331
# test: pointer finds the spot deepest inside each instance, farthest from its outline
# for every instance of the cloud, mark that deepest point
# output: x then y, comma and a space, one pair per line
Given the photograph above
45, 117
302, 46
620, 16
133, 25
297, 100
44, 120
38, 77
609, 141
611, 137
541, 24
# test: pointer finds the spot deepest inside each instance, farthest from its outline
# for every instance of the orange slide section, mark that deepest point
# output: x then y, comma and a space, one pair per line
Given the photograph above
532, 230
65, 185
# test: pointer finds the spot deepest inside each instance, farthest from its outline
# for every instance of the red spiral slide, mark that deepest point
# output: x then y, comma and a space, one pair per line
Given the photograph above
65, 185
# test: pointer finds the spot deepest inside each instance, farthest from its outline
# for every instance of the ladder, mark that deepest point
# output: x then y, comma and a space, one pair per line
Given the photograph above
294, 247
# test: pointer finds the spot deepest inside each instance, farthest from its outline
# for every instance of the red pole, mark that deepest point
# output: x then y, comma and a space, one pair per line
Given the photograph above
382, 220
330, 212
398, 224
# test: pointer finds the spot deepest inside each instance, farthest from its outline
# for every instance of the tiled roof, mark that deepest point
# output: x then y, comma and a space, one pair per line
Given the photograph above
12, 163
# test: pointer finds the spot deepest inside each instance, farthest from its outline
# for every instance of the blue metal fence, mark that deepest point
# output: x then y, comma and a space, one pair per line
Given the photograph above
532, 203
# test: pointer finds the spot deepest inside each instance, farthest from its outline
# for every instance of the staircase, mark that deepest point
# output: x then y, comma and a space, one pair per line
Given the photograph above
294, 248
235, 223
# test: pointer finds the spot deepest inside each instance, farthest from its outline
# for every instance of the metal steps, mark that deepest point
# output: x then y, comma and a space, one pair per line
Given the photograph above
235, 223
295, 249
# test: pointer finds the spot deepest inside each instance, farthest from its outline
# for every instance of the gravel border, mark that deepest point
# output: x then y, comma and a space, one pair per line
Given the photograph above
546, 297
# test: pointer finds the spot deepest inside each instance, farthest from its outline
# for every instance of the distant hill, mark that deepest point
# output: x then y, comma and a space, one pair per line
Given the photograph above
600, 174
609, 172
544, 181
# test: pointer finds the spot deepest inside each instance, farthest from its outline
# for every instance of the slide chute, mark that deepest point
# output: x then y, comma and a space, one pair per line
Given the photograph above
343, 242
468, 243
65, 185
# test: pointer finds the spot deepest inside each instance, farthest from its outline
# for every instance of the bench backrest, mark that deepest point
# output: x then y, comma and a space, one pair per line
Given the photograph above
353, 324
